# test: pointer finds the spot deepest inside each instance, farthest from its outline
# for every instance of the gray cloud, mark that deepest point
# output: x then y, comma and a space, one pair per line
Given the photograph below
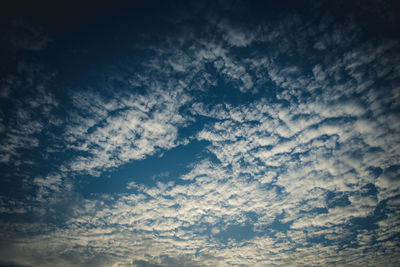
23, 125
27, 35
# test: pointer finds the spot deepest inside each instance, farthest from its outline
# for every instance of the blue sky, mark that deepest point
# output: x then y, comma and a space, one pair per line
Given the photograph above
207, 133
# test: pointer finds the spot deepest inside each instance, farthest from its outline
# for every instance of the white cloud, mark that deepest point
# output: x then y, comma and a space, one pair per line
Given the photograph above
120, 130
277, 161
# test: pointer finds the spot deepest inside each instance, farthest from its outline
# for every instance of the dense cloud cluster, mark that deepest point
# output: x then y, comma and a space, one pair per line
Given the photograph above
304, 169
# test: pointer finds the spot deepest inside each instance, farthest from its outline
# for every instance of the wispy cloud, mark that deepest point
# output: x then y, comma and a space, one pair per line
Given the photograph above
30, 115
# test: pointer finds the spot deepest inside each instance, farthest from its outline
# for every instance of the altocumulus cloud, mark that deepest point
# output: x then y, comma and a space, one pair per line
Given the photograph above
300, 164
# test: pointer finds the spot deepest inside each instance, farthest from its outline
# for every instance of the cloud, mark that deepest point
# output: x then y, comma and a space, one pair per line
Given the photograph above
114, 132
11, 264
30, 115
108, 132
311, 162
27, 36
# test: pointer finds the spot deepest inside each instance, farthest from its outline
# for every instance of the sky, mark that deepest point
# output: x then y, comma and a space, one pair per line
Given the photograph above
200, 133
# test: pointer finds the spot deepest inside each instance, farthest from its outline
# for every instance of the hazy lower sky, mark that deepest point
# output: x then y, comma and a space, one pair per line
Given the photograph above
200, 133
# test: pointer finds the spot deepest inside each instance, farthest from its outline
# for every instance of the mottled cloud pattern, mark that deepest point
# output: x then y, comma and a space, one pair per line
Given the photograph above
300, 164
124, 129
